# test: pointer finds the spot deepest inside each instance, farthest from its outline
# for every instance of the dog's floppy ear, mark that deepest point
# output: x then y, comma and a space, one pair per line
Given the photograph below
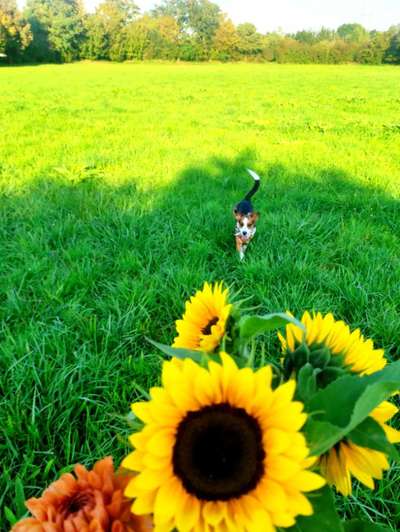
237, 214
254, 216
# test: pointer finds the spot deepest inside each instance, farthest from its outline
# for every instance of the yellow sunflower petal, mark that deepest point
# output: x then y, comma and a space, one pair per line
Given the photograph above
365, 464
277, 441
142, 411
284, 393
393, 435
384, 412
161, 443
178, 387
189, 514
336, 472
285, 520
259, 518
281, 468
272, 496
144, 503
299, 504
214, 512
308, 481
167, 500
150, 479
134, 461
356, 468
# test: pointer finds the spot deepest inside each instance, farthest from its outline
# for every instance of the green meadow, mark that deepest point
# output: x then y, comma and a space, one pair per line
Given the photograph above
117, 183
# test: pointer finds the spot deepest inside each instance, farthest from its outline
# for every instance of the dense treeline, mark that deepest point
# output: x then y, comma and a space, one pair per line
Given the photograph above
190, 30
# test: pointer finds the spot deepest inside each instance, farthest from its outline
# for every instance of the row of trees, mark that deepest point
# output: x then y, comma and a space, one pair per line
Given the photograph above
191, 30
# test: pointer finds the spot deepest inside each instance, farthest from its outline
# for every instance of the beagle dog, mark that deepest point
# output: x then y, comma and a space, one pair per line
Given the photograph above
246, 218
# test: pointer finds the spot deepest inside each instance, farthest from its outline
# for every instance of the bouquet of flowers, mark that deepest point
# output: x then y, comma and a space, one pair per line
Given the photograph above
232, 442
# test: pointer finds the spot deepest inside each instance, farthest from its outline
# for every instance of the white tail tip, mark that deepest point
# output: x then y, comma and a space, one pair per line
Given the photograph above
255, 176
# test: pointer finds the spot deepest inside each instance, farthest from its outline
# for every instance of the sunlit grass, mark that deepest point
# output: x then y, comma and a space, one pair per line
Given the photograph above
117, 184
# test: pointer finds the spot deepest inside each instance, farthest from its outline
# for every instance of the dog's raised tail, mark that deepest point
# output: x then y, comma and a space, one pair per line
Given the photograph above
256, 185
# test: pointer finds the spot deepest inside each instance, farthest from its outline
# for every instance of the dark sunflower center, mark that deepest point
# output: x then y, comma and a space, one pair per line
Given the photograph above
77, 502
207, 329
218, 453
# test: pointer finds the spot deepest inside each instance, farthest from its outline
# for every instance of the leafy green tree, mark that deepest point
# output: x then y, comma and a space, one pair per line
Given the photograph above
204, 21
354, 33
165, 38
15, 33
373, 52
177, 9
198, 21
105, 29
250, 41
306, 37
290, 50
343, 51
326, 34
138, 37
67, 29
57, 28
392, 53
226, 41
152, 38
96, 45
190, 49
331, 52
271, 44
38, 13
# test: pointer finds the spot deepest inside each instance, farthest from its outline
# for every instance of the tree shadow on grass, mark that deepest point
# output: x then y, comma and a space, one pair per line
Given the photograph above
89, 270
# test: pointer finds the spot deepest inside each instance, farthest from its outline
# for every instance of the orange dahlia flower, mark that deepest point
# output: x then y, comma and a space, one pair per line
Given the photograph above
90, 501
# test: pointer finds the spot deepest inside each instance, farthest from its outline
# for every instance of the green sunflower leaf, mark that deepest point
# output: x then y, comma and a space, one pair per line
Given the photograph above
345, 403
321, 436
325, 517
251, 326
355, 525
370, 434
178, 352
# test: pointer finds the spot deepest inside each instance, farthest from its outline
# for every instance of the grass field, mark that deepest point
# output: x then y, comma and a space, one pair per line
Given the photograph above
116, 189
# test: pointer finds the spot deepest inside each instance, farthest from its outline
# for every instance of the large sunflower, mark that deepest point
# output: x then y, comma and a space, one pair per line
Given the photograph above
347, 459
349, 348
220, 451
203, 324
331, 344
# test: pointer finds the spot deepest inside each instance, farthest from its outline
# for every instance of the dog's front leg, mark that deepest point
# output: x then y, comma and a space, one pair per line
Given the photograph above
241, 248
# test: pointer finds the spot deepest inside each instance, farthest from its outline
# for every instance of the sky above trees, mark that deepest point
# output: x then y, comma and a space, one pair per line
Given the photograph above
295, 15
